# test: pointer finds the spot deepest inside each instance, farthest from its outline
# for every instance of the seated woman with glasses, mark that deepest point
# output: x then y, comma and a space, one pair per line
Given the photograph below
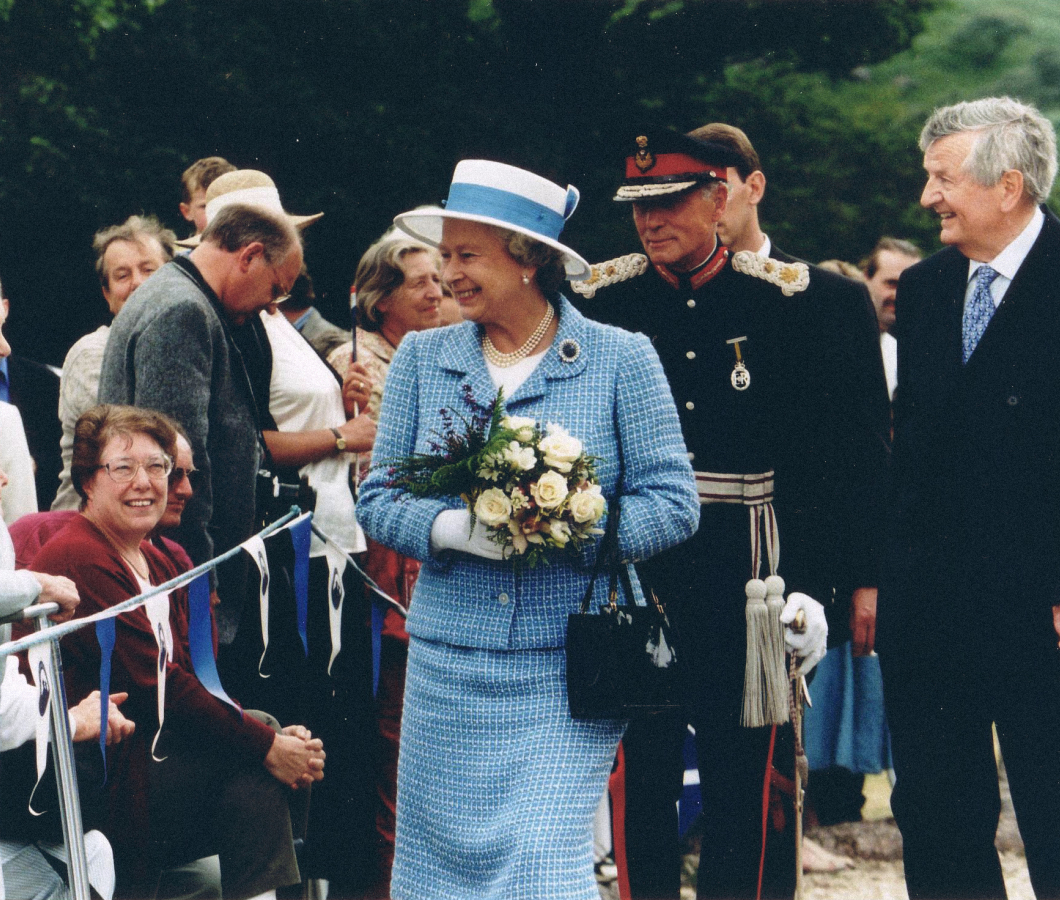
198, 777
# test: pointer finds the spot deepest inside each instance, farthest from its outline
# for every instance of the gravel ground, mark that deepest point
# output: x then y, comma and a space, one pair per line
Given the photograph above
876, 848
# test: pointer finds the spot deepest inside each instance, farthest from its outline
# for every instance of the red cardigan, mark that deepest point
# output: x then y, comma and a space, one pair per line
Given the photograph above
81, 552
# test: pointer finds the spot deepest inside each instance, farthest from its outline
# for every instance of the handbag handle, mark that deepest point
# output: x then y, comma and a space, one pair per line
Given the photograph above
608, 556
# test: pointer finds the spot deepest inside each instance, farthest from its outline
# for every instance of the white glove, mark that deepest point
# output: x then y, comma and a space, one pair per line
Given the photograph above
452, 531
809, 644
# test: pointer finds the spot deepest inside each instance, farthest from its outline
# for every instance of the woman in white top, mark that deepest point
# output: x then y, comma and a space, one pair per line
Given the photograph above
319, 432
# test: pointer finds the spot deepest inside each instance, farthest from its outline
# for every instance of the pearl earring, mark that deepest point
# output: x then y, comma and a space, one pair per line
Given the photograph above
526, 278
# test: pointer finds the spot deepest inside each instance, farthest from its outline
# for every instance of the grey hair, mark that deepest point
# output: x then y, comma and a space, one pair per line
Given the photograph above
1009, 135
710, 189
135, 230
533, 254
237, 225
381, 272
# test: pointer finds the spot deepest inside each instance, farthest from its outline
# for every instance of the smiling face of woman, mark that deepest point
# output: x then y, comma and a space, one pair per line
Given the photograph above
414, 304
131, 510
476, 264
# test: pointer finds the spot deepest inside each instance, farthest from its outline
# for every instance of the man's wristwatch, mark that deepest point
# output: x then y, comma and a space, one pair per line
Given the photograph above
340, 441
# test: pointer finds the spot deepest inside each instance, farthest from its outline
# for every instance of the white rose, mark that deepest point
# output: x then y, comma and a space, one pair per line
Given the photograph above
521, 425
559, 449
520, 457
493, 507
550, 490
587, 506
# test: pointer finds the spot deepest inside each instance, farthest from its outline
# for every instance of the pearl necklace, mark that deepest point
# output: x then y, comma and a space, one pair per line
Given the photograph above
506, 360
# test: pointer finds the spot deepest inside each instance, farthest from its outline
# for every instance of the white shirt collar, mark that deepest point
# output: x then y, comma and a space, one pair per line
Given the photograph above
1008, 261
765, 248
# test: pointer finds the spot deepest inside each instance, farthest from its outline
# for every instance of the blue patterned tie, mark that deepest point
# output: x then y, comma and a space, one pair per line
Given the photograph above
978, 310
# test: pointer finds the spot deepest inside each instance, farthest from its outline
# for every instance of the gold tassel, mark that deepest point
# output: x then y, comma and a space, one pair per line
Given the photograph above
776, 676
757, 613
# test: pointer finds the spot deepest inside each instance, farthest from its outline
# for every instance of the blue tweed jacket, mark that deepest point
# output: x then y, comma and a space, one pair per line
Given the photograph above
612, 395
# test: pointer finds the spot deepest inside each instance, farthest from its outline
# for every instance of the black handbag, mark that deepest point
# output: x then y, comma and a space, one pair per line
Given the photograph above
621, 661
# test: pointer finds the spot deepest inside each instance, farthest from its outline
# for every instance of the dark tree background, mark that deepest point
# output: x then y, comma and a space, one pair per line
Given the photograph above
361, 109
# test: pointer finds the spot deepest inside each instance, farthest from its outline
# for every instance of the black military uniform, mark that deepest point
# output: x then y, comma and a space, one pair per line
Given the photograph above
774, 369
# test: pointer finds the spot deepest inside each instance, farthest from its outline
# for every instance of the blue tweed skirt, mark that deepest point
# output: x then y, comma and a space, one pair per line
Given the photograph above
497, 784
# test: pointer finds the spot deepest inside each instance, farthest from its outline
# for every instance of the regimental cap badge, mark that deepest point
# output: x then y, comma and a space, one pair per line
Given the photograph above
643, 158
676, 162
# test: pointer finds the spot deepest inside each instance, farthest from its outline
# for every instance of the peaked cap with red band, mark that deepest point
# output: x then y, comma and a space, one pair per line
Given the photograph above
666, 162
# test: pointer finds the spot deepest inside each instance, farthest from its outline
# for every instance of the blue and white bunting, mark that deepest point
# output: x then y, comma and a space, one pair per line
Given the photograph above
336, 596
43, 673
157, 609
255, 546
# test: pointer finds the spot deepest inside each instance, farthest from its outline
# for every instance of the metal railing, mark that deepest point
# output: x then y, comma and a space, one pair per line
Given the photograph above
62, 739
62, 744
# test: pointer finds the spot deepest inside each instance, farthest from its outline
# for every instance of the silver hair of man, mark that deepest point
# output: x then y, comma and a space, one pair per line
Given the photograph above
1011, 135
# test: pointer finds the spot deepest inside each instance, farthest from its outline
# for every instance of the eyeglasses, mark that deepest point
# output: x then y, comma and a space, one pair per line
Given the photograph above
124, 469
179, 474
279, 293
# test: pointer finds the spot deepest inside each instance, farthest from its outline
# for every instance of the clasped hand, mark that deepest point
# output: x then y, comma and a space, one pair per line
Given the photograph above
296, 758
356, 389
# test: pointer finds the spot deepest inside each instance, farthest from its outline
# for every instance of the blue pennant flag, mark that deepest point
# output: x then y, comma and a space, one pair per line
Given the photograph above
200, 639
105, 635
301, 535
378, 612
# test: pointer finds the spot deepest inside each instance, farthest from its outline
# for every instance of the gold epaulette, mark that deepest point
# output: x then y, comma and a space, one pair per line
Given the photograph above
621, 268
791, 278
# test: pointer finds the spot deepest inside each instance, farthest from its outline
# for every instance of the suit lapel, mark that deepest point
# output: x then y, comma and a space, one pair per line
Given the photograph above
565, 358
1028, 287
461, 354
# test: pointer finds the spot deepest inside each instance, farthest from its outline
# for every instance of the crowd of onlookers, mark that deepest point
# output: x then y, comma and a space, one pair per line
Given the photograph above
755, 384
249, 376
235, 378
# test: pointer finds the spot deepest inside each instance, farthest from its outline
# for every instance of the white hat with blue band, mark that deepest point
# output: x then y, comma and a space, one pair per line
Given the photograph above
497, 194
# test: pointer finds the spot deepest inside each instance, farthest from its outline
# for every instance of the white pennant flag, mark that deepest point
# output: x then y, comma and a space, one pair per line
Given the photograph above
336, 596
40, 664
157, 609
255, 546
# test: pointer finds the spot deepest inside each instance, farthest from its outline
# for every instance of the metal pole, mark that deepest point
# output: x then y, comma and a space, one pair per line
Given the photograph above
66, 779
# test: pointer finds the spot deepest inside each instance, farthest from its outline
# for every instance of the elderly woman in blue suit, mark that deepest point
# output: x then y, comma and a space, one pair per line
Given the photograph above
497, 784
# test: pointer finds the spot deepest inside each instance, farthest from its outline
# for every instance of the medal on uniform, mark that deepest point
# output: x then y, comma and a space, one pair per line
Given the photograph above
740, 378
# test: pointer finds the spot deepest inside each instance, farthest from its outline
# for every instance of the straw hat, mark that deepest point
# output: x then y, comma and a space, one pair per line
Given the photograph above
497, 194
250, 188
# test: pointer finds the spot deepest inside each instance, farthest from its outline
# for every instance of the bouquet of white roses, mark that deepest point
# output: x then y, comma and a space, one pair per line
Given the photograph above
534, 489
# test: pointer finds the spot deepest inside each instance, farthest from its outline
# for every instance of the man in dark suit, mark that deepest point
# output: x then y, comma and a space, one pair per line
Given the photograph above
34, 388
969, 608
776, 372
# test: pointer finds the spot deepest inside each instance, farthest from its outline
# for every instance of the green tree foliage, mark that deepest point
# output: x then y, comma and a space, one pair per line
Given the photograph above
362, 107
838, 174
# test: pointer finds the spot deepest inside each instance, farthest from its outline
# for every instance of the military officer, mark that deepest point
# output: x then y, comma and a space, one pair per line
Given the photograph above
776, 371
